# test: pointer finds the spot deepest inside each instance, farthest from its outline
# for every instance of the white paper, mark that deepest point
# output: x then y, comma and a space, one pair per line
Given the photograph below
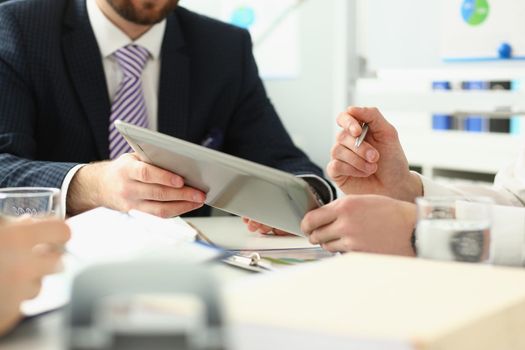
103, 235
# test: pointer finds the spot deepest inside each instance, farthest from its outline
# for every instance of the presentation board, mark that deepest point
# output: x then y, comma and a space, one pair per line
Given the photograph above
483, 30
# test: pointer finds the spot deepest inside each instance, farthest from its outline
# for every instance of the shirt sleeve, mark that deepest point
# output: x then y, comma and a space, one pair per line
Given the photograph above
508, 236
499, 194
512, 179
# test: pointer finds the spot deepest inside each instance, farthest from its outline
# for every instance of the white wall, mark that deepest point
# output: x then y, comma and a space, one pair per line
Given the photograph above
404, 37
308, 105
399, 34
406, 34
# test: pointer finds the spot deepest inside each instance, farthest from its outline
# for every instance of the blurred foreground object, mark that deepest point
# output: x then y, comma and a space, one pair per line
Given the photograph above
145, 305
454, 228
367, 301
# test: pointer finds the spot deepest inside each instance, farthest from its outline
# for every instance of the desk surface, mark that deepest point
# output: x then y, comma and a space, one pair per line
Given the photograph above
357, 301
46, 332
366, 301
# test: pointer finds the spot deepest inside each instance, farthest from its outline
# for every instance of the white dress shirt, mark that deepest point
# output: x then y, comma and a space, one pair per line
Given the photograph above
508, 217
109, 39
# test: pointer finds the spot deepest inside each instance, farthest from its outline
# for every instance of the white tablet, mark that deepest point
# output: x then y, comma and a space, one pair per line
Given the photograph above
238, 186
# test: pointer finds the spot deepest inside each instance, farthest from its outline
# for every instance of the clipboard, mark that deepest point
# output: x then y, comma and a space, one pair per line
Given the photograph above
237, 186
266, 260
252, 262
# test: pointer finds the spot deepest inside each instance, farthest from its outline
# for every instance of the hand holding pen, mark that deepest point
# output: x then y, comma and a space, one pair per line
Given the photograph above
352, 154
367, 157
360, 139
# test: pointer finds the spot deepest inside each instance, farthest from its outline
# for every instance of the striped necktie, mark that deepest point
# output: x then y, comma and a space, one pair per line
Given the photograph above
128, 104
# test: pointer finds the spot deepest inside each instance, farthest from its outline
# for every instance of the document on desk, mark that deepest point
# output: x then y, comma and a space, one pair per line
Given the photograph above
103, 235
255, 251
229, 232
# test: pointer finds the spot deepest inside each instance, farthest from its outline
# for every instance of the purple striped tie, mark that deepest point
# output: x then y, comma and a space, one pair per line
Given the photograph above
129, 104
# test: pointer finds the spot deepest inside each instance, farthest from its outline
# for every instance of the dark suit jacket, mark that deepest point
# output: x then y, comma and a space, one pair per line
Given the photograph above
54, 105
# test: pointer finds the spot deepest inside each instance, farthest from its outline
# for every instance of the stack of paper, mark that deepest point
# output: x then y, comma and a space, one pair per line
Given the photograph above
103, 235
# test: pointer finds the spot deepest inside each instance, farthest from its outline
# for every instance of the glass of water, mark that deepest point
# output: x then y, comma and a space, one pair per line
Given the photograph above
39, 202
454, 228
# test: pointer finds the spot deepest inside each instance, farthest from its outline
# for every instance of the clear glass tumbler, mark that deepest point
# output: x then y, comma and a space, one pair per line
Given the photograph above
39, 202
454, 228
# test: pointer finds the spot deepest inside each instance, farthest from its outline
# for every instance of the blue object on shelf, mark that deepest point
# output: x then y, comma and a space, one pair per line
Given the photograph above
475, 123
516, 85
475, 85
505, 51
441, 85
517, 123
441, 121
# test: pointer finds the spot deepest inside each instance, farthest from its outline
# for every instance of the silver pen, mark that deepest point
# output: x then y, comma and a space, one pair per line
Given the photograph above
359, 140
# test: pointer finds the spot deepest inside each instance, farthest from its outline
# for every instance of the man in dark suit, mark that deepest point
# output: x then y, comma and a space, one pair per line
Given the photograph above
69, 68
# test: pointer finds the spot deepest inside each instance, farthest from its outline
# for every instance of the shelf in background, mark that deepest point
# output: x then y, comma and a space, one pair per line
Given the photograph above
408, 101
453, 150
418, 97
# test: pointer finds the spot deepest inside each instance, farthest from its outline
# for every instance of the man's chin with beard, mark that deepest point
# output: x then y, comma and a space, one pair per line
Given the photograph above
143, 12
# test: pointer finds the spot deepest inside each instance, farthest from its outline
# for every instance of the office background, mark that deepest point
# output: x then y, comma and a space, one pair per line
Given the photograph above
309, 101
390, 54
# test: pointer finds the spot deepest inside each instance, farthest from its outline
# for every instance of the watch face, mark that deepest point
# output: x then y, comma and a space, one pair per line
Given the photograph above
468, 246
454, 228
453, 240
442, 212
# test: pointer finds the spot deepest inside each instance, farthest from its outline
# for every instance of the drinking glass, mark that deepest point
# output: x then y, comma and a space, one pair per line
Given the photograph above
39, 202
454, 228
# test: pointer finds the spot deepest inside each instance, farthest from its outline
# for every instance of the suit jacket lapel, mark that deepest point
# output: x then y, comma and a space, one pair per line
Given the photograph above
84, 62
173, 108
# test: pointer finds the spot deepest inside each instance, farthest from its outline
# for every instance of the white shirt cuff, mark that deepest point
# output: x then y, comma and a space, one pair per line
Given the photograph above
431, 188
499, 195
322, 181
65, 187
508, 236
